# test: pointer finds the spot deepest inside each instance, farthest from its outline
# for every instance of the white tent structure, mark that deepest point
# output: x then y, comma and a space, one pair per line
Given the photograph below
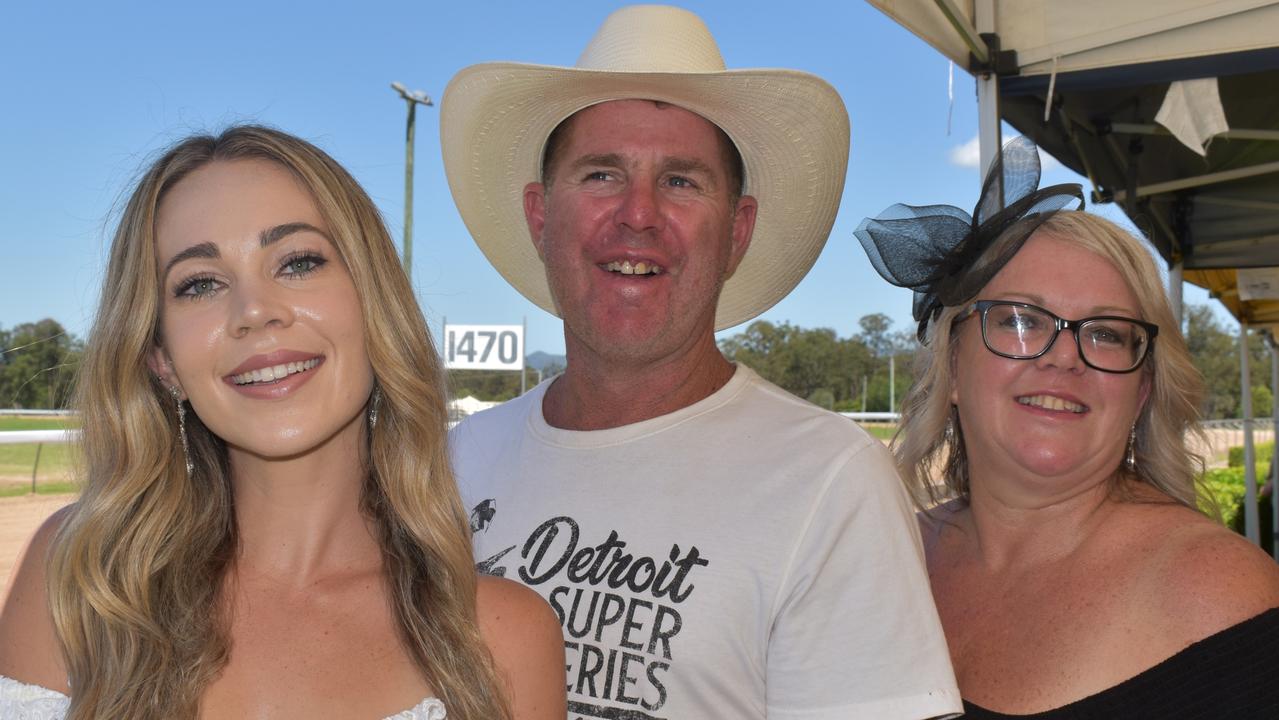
469, 405
1128, 93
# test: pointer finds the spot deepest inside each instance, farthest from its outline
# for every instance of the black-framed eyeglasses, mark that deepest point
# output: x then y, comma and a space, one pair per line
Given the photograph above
1021, 331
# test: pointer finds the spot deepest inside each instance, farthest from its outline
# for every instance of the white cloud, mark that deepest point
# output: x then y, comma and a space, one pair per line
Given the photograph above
969, 155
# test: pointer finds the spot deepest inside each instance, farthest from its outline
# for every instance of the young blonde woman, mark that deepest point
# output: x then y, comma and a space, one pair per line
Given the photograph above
269, 526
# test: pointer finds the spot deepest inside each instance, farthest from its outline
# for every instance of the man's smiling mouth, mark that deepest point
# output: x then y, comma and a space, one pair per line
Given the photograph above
625, 267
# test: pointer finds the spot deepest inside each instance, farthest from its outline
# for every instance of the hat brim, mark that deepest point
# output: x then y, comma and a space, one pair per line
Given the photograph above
790, 127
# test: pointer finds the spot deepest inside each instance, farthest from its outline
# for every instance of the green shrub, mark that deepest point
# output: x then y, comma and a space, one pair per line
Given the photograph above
1226, 486
1264, 452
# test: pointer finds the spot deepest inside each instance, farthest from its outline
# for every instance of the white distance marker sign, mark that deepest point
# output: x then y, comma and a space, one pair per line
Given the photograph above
484, 347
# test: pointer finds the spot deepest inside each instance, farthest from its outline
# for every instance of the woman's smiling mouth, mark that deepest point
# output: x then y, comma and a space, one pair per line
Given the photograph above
274, 373
1052, 402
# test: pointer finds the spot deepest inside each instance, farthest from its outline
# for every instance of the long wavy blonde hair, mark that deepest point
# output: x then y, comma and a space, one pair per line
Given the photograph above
1164, 459
136, 569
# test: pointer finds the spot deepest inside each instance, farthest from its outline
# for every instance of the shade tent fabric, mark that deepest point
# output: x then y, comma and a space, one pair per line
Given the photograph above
1109, 64
1096, 34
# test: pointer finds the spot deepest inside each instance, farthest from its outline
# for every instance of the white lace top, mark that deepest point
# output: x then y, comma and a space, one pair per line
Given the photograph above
19, 701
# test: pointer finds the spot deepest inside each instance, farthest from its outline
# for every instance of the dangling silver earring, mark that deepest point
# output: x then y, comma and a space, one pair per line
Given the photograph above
373, 404
182, 429
1130, 457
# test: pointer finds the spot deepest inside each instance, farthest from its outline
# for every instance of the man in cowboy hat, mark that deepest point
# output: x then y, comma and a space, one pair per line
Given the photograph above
714, 547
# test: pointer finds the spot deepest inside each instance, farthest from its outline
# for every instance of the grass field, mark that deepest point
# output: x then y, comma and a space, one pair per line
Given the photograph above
883, 431
12, 422
43, 487
57, 460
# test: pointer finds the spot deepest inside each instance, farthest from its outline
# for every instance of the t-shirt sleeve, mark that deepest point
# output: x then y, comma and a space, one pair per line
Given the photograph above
471, 452
855, 633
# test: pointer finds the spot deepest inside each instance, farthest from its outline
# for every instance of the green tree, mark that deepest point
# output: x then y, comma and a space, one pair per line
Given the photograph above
894, 354
876, 334
808, 361
37, 365
489, 385
1262, 401
823, 398
1214, 349
811, 363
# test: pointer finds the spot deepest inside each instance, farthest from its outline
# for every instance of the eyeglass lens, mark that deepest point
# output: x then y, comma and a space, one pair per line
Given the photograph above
1109, 343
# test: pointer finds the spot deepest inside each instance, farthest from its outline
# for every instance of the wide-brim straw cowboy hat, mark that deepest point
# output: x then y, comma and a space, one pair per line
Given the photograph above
790, 127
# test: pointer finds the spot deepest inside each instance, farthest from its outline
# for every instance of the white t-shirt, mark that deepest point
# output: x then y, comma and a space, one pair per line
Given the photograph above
748, 556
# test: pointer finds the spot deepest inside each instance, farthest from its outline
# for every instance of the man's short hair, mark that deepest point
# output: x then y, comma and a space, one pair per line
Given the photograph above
734, 168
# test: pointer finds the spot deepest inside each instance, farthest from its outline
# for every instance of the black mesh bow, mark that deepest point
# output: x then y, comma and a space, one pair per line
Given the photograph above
932, 249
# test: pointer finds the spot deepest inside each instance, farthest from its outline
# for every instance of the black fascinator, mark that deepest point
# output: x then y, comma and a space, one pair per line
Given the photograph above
932, 249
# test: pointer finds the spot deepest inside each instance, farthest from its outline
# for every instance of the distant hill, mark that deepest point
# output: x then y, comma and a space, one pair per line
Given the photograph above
540, 361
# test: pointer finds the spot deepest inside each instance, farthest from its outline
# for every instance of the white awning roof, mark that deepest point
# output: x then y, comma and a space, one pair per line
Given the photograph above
1094, 34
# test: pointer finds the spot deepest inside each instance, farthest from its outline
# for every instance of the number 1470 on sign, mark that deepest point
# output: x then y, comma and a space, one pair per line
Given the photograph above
484, 347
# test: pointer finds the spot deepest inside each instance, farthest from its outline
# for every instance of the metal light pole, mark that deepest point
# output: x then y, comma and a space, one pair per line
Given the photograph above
413, 98
892, 383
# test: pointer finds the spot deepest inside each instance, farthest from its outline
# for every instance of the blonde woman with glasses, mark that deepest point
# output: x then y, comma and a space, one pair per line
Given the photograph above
1074, 575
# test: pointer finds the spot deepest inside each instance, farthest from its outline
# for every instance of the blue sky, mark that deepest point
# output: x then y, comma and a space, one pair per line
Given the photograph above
92, 90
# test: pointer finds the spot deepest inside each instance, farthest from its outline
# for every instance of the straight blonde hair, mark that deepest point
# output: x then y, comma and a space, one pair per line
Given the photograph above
136, 569
930, 441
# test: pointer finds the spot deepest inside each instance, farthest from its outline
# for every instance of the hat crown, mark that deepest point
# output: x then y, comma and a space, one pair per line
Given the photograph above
652, 38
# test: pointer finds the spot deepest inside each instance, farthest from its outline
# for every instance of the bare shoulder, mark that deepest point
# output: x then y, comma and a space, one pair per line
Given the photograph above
527, 644
1207, 578
29, 650
507, 608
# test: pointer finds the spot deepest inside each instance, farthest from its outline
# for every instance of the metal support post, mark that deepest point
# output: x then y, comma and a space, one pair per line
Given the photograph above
988, 130
1274, 461
1252, 522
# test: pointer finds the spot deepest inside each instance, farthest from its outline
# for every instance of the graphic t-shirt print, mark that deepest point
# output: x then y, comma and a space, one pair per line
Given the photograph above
619, 611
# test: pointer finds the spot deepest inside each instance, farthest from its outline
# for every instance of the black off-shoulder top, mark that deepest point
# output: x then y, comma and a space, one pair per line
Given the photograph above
1232, 675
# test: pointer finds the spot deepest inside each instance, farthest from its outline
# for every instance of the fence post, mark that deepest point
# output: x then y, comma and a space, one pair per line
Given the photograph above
35, 466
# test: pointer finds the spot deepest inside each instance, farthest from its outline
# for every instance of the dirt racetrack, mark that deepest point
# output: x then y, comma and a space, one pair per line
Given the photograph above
19, 517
